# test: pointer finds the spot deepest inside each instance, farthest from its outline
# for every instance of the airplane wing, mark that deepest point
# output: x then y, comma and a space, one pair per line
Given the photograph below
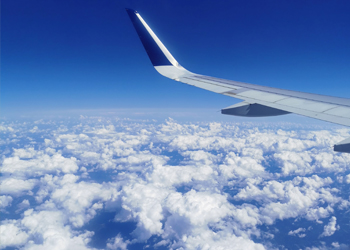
258, 100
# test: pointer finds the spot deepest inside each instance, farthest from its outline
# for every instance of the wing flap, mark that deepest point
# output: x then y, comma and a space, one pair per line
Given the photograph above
339, 111
306, 104
313, 114
261, 95
343, 146
252, 110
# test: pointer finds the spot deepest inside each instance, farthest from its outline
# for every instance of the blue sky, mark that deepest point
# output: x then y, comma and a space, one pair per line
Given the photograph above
59, 55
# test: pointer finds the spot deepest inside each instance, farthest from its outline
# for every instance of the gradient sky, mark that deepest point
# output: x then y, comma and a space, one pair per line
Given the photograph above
63, 55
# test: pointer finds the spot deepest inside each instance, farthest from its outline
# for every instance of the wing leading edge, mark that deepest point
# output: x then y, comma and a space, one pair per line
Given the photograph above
257, 100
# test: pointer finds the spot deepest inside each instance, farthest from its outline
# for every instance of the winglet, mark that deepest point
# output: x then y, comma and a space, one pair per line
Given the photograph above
155, 49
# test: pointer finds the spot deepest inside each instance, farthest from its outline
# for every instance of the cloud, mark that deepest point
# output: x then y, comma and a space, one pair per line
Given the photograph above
11, 235
300, 232
221, 240
82, 200
201, 208
117, 243
23, 205
236, 166
330, 228
5, 200
291, 199
69, 203
181, 185
29, 162
169, 176
145, 204
347, 178
48, 227
15, 186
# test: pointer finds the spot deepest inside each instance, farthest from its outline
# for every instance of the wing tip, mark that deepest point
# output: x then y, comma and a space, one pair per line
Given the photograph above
130, 10
156, 51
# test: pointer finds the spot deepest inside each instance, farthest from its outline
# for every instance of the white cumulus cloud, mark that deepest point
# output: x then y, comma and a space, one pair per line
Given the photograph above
181, 185
330, 228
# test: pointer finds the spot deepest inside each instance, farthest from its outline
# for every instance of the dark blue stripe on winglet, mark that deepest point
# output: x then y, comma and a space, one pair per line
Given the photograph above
154, 52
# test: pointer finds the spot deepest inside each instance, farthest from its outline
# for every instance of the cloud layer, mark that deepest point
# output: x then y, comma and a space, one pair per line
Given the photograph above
180, 185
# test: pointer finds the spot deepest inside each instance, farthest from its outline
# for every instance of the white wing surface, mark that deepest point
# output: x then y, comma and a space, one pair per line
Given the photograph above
257, 100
